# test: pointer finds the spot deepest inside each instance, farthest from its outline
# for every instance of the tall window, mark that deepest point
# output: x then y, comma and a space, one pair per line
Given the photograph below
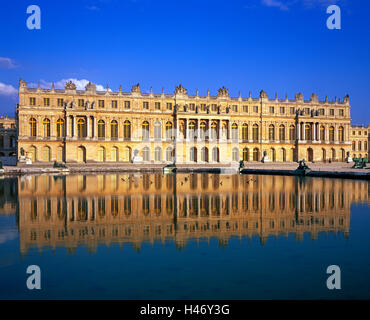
32, 124
32, 101
60, 102
145, 105
157, 106
271, 132
81, 132
127, 130
157, 130
46, 125
169, 130
245, 131
60, 128
322, 133
214, 130
282, 133
114, 104
114, 129
191, 129
46, 102
331, 134
203, 130
127, 104
235, 154
101, 129
292, 135
158, 154
145, 130
146, 154
255, 132
341, 134
234, 131
101, 103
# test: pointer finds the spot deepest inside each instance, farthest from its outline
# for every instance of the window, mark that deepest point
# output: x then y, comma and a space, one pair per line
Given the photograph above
146, 105
203, 107
32, 101
81, 132
60, 128
282, 133
32, 124
158, 154
192, 106
114, 129
157, 106
46, 125
127, 129
145, 130
321, 112
127, 104
331, 134
46, 102
359, 133
341, 112
307, 110
282, 110
245, 109
158, 130
60, 102
271, 132
169, 106
214, 107
235, 108
272, 109
169, 130
101, 129
114, 104
255, 109
255, 132
332, 112
245, 131
341, 134
234, 131
359, 146
101, 103
292, 110
292, 136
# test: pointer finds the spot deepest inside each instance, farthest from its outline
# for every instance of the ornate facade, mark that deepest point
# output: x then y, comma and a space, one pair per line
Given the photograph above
104, 126
8, 137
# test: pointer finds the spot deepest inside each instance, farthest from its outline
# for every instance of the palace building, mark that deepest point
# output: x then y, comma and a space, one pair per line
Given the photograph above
91, 126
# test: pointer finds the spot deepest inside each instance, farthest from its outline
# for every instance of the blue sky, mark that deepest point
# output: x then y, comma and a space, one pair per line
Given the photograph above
275, 45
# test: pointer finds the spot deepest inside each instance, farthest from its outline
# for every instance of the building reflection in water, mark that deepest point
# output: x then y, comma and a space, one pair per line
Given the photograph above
69, 211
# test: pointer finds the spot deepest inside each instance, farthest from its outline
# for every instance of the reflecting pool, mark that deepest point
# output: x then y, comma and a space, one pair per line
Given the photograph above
184, 236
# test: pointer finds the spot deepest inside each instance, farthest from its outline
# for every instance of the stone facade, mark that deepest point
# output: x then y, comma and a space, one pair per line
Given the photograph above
8, 137
359, 136
90, 126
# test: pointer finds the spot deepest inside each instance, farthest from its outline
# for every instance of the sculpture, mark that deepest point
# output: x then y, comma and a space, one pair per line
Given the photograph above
223, 92
180, 90
70, 85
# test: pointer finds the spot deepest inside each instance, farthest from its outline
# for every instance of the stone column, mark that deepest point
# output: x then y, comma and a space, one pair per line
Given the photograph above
74, 134
303, 130
298, 130
313, 131
88, 133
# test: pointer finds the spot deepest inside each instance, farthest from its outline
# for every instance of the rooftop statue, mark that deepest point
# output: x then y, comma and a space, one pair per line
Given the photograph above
223, 92
180, 90
136, 88
70, 85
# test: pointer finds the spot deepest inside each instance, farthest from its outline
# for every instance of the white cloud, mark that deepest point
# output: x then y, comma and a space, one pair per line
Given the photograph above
7, 90
7, 63
80, 84
286, 4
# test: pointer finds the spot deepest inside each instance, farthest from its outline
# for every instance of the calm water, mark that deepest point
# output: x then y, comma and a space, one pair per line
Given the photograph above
201, 236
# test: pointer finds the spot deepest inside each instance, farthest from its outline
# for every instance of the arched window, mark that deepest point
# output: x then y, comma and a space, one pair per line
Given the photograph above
145, 130
46, 154
192, 129
235, 154
215, 155
214, 130
322, 133
127, 154
256, 154
255, 132
169, 154
331, 134
234, 131
271, 132
169, 128
158, 154
146, 154
114, 129
354, 146
292, 133
60, 154
245, 131
60, 128
101, 129
32, 124
115, 154
157, 130
203, 130
193, 154
245, 154
308, 135
101, 154
46, 125
282, 133
341, 134
127, 130
81, 132
204, 154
